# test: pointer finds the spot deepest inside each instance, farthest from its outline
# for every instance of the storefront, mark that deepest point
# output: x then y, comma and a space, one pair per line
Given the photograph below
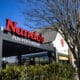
15, 41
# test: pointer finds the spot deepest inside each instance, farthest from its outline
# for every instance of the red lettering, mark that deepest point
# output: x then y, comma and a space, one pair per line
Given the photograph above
36, 38
19, 31
34, 35
39, 38
10, 26
29, 35
42, 40
25, 33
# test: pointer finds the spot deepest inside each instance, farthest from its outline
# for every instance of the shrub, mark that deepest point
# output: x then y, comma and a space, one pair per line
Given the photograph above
13, 73
53, 71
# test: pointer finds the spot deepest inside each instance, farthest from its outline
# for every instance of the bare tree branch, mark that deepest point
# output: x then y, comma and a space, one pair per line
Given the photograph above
63, 13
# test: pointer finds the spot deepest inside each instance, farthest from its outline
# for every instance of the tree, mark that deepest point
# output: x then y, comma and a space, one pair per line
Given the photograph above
62, 15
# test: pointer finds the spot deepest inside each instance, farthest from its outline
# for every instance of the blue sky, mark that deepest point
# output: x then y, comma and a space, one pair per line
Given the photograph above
11, 9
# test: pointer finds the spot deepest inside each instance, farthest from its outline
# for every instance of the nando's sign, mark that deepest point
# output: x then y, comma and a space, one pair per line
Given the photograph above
12, 27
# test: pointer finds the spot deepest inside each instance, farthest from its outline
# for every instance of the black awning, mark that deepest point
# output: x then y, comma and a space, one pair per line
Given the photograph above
14, 49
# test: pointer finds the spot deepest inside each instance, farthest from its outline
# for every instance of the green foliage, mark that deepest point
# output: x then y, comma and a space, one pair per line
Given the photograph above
13, 72
53, 71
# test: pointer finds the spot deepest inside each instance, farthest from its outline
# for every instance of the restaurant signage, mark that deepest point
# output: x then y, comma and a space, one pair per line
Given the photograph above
12, 27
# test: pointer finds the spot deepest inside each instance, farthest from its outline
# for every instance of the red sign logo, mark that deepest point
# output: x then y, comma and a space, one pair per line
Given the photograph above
12, 27
62, 42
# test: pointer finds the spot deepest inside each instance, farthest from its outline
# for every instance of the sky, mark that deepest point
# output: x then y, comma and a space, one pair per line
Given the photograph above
10, 9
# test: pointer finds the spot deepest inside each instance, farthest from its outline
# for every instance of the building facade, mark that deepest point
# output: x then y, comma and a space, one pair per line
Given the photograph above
16, 41
63, 54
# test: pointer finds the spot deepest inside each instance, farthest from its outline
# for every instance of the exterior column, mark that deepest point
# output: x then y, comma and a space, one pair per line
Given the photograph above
50, 56
0, 51
19, 59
